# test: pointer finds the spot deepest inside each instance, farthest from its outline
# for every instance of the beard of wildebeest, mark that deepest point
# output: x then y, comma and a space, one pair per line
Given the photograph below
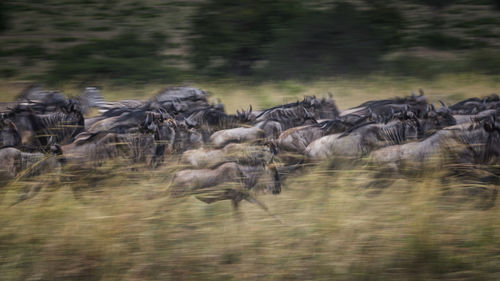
9, 136
324, 108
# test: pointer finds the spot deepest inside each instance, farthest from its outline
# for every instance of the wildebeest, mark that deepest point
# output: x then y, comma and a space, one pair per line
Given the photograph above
14, 162
209, 120
385, 108
272, 129
180, 100
473, 106
401, 127
244, 154
298, 138
9, 135
473, 143
467, 118
59, 126
40, 101
324, 108
204, 182
94, 149
241, 134
288, 115
363, 139
122, 119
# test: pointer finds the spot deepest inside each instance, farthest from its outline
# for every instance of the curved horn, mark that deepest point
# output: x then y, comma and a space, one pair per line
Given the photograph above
189, 122
443, 104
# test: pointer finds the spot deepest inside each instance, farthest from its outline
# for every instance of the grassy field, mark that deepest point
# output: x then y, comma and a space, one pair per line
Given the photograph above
116, 223
347, 92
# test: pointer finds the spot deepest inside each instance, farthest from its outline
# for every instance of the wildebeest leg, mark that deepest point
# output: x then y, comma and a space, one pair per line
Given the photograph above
77, 192
30, 193
381, 180
253, 200
238, 216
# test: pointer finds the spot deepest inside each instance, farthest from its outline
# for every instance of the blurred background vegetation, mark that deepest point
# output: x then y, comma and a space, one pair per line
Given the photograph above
131, 41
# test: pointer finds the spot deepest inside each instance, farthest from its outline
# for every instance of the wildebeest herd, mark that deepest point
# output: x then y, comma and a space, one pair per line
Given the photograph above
221, 155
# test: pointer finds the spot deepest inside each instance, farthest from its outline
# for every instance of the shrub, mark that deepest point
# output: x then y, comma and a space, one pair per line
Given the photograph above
333, 41
485, 61
441, 41
231, 36
3, 16
388, 22
124, 57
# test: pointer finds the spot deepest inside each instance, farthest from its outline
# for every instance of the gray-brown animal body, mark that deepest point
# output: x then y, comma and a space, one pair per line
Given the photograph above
14, 162
9, 135
297, 139
361, 141
289, 115
242, 134
272, 129
231, 175
234, 152
91, 150
470, 143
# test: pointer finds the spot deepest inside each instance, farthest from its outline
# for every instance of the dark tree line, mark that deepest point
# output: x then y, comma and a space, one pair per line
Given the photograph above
293, 38
284, 37
3, 16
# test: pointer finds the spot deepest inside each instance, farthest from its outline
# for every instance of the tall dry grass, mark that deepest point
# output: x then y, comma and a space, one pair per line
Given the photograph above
122, 227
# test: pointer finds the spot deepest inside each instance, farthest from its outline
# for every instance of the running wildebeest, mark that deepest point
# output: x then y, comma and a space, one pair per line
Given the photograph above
242, 134
204, 182
58, 126
240, 153
473, 143
14, 162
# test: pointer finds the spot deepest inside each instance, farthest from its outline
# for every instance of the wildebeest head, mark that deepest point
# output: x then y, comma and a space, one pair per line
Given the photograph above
9, 135
492, 127
324, 108
436, 119
245, 116
150, 123
71, 106
275, 175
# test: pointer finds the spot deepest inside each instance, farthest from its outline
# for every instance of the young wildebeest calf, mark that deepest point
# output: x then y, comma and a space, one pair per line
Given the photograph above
204, 181
14, 162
